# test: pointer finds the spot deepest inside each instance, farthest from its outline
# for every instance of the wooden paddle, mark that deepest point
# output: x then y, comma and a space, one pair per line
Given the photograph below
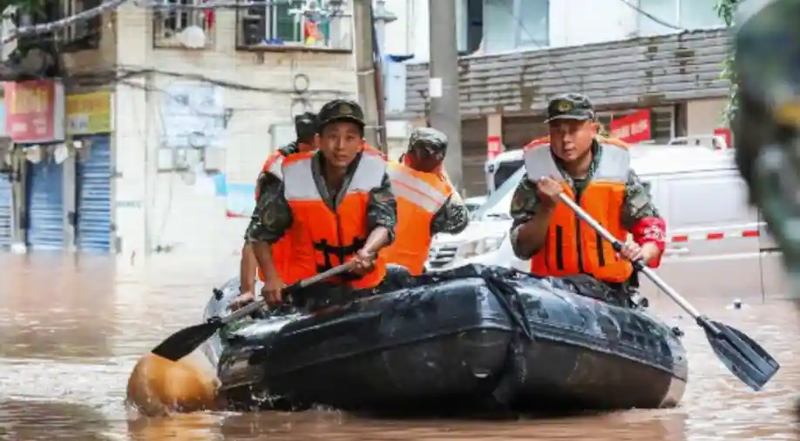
739, 353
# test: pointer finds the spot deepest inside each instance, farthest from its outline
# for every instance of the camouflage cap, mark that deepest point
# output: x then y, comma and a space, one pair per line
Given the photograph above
431, 141
340, 110
574, 106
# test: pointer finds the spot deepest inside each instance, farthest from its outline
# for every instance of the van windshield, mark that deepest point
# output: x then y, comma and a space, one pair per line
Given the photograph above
506, 170
498, 204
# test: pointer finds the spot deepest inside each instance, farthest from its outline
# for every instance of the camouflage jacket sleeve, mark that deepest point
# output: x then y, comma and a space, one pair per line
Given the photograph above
638, 202
524, 205
382, 208
452, 218
272, 215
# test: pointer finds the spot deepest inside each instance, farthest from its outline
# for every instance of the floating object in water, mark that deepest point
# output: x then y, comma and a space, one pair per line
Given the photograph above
158, 386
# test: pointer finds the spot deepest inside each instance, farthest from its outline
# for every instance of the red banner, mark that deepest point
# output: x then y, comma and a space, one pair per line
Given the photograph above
33, 113
632, 128
493, 147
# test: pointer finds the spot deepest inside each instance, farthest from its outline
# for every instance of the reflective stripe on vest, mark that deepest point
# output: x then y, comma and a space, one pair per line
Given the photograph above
324, 238
412, 185
571, 246
419, 197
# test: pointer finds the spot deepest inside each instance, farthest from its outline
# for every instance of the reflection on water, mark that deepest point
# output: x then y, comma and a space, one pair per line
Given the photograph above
39, 420
71, 330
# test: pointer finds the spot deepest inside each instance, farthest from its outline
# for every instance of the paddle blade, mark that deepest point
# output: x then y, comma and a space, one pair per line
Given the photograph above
185, 341
741, 355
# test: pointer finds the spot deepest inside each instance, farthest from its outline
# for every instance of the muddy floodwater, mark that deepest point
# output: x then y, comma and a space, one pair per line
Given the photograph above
72, 328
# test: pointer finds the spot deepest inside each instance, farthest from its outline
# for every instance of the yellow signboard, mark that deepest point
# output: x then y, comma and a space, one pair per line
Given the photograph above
89, 113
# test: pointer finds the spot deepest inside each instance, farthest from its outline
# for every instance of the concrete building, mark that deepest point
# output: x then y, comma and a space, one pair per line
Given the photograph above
168, 119
647, 64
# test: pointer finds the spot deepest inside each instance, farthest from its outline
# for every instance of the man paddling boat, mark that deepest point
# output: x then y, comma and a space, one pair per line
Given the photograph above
597, 176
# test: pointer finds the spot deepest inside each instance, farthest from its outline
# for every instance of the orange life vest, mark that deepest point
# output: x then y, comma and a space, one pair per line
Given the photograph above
331, 238
572, 246
419, 196
371, 149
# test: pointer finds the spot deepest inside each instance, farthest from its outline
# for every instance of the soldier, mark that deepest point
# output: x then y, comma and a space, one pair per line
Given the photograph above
269, 178
336, 204
597, 176
427, 203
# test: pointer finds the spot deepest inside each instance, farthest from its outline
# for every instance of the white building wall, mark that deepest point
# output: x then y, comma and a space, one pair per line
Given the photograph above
578, 22
572, 22
161, 209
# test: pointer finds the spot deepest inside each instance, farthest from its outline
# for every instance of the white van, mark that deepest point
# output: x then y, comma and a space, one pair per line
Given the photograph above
501, 168
717, 244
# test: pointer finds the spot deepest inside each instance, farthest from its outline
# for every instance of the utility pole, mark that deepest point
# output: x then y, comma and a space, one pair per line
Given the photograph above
445, 112
365, 70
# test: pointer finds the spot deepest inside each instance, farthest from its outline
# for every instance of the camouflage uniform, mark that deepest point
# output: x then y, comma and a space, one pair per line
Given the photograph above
525, 204
453, 217
272, 216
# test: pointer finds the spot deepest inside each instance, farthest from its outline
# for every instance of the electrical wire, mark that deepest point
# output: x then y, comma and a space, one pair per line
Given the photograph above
652, 17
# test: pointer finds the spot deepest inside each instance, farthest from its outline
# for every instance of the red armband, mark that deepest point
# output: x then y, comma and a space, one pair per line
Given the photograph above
651, 230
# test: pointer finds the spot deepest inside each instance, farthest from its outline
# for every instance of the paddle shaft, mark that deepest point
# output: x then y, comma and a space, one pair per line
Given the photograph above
253, 307
660, 283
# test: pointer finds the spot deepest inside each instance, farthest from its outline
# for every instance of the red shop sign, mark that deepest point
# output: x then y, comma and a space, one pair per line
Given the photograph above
632, 128
493, 147
35, 111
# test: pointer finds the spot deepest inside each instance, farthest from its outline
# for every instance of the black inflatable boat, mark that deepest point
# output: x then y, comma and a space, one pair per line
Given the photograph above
472, 337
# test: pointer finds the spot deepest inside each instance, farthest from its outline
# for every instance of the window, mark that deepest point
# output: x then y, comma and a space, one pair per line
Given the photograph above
182, 24
294, 24
682, 14
83, 34
515, 24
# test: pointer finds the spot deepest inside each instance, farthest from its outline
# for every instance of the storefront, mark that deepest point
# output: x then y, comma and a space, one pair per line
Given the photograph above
89, 132
35, 122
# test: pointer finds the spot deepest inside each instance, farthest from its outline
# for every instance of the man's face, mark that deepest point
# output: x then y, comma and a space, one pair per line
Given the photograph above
340, 142
571, 139
420, 159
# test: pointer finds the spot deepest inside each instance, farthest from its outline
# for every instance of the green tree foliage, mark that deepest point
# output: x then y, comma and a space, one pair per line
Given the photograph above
726, 10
